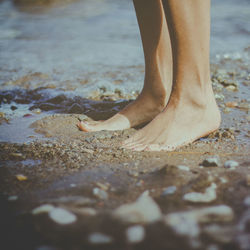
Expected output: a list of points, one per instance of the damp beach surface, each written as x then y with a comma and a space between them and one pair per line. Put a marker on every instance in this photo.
60, 188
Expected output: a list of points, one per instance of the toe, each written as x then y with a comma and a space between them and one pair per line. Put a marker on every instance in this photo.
83, 126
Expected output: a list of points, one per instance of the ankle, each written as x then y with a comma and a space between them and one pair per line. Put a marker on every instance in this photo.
198, 96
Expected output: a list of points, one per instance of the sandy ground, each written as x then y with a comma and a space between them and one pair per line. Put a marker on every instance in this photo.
89, 177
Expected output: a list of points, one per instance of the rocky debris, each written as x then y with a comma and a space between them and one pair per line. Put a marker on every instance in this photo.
99, 193
42, 209
231, 164
243, 231
99, 238
135, 234
208, 196
143, 210
13, 198
184, 168
223, 234
187, 223
62, 216
247, 201
169, 190
210, 162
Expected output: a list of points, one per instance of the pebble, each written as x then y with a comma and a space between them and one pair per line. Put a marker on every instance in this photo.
231, 104
12, 198
88, 211
208, 196
187, 223
231, 164
21, 177
62, 216
135, 234
184, 168
210, 162
88, 151
231, 88
36, 111
247, 201
219, 97
103, 186
169, 190
42, 209
219, 233
223, 180
143, 210
99, 193
99, 238
16, 154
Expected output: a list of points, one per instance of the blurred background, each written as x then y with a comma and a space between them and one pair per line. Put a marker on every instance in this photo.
86, 44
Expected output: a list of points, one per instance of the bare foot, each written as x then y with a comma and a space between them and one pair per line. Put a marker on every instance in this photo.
183, 121
142, 110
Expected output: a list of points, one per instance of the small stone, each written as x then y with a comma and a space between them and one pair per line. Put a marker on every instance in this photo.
135, 234
223, 180
247, 201
88, 151
103, 186
184, 168
12, 198
244, 106
187, 223
133, 173
227, 110
62, 216
21, 177
218, 233
143, 210
219, 97
16, 154
231, 164
231, 88
42, 209
208, 196
13, 107
169, 190
99, 238
37, 111
88, 211
210, 162
231, 104
101, 194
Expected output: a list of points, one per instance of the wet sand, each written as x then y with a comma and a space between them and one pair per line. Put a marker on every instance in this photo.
89, 176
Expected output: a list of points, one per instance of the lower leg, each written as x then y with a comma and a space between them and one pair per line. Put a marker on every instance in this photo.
158, 71
192, 111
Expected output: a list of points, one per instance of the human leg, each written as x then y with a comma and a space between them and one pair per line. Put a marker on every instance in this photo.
192, 111
158, 71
